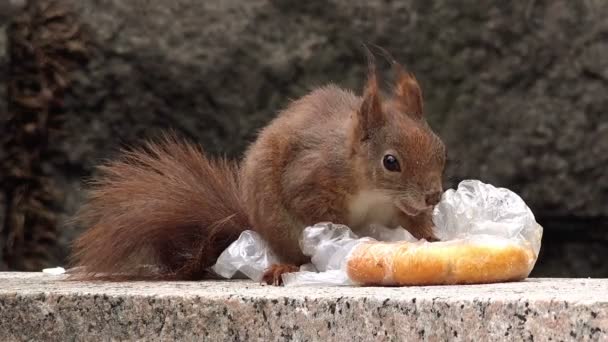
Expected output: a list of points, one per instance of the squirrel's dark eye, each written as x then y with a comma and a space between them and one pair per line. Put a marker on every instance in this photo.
391, 163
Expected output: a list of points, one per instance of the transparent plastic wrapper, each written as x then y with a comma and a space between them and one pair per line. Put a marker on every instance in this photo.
488, 235
247, 257
54, 270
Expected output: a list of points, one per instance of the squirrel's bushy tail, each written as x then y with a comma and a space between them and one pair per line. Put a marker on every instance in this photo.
164, 211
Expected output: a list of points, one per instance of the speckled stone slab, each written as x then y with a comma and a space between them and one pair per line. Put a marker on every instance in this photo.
36, 306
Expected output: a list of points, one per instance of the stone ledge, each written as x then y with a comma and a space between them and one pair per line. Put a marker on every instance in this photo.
43, 307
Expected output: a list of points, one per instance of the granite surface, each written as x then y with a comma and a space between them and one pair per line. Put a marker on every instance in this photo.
35, 306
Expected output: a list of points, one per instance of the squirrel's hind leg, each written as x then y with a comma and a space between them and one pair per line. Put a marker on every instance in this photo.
273, 274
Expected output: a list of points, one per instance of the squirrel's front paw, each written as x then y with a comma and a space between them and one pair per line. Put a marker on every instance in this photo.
429, 235
272, 275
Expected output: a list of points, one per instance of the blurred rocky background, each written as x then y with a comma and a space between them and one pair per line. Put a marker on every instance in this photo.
518, 90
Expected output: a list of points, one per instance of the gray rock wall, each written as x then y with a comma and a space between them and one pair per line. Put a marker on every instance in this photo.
518, 90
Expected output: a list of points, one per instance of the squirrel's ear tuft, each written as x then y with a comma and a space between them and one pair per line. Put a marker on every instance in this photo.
408, 94
370, 114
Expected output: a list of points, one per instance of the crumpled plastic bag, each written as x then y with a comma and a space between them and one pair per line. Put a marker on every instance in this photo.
480, 209
54, 270
475, 211
248, 257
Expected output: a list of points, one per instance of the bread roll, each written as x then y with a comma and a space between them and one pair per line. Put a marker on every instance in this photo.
438, 263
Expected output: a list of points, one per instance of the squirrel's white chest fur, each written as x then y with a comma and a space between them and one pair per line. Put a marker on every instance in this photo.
369, 207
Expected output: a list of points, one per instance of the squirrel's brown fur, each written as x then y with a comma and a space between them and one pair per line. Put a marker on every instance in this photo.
322, 159
167, 206
310, 164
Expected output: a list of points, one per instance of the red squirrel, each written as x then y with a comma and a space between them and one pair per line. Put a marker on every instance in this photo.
330, 156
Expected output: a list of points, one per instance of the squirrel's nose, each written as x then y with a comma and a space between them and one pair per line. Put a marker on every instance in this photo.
433, 198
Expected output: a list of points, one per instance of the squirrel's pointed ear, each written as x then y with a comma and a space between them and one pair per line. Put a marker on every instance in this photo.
408, 94
370, 114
